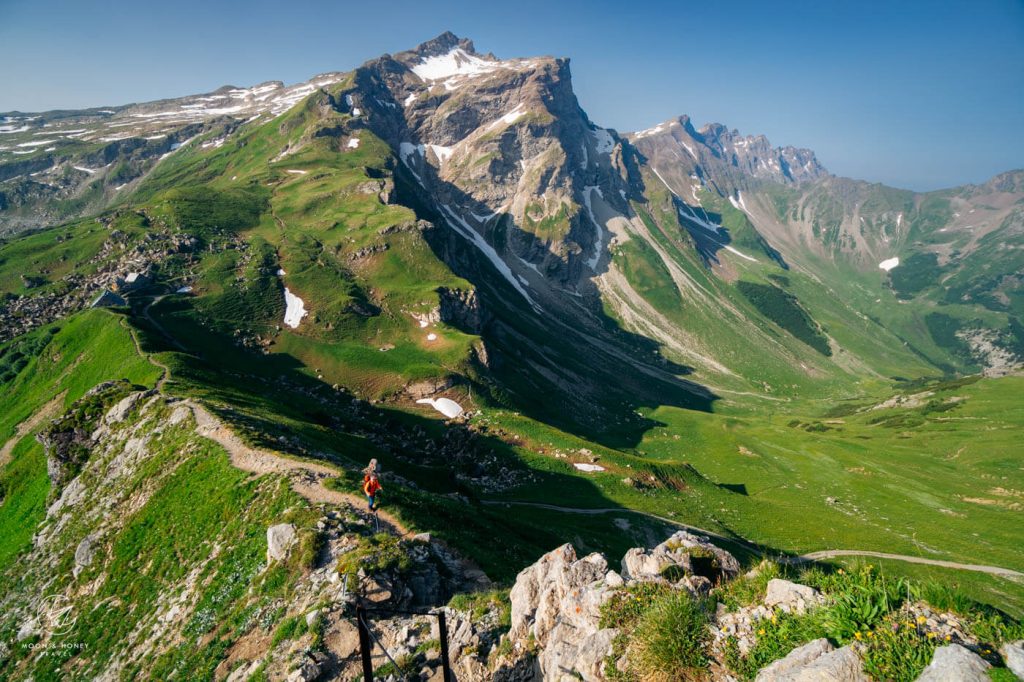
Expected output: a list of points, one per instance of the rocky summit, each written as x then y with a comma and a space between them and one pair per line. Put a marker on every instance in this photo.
288, 372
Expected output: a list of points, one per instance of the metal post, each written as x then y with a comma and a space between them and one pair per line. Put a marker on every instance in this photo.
446, 668
364, 644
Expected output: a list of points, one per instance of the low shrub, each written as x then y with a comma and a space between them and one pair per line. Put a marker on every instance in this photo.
670, 637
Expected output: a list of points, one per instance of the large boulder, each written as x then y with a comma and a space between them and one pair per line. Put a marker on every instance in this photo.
280, 539
791, 597
1013, 654
816, 661
556, 602
954, 663
682, 554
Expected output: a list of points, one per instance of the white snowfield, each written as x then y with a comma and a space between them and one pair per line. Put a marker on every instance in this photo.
295, 309
603, 141
479, 242
295, 171
588, 467
445, 406
457, 62
889, 263
710, 227
353, 143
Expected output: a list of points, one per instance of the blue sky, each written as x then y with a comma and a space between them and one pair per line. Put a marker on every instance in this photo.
918, 94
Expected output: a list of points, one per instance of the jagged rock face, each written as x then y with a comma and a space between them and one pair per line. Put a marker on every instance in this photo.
557, 601
723, 158
500, 149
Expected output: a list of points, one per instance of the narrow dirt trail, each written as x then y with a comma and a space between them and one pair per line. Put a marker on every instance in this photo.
47, 411
794, 560
307, 478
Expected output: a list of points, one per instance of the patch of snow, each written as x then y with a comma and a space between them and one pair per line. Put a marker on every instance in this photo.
353, 143
295, 309
889, 263
443, 153
899, 220
650, 131
588, 467
445, 406
36, 143
431, 336
90, 171
280, 272
295, 171
741, 255
472, 235
423, 324
603, 141
599, 239
692, 153
410, 99
509, 118
456, 62
356, 111
13, 129
183, 290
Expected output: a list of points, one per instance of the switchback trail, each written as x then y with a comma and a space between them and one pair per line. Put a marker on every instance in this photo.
793, 560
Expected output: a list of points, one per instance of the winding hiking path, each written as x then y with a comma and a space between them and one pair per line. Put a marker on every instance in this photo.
308, 481
47, 411
307, 478
793, 560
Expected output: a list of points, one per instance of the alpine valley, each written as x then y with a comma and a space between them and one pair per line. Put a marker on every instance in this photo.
791, 400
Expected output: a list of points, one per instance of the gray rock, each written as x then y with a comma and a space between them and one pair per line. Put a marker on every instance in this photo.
953, 663
791, 597
796, 659
120, 411
1013, 654
816, 661
85, 553
557, 603
683, 550
280, 539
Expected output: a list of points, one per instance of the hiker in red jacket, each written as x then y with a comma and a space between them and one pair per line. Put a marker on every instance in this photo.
371, 486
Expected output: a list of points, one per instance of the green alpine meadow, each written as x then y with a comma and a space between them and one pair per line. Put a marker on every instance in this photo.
288, 371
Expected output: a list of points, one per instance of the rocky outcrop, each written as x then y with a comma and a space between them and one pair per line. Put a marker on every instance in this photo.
280, 539
1013, 656
686, 558
817, 661
954, 663
791, 597
556, 603
462, 309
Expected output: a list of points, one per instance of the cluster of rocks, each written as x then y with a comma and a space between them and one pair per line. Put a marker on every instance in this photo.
556, 603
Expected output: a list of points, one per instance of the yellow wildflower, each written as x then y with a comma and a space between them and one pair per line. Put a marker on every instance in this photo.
775, 619
921, 619
761, 631
948, 638
857, 635
841, 572
931, 635
871, 634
